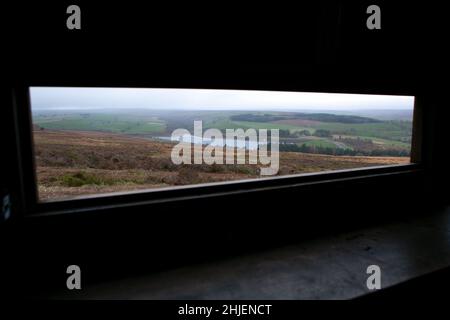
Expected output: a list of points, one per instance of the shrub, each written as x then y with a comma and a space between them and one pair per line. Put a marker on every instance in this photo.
81, 178
187, 176
322, 133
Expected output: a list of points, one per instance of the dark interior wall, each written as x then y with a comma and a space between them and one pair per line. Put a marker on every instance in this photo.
118, 242
319, 47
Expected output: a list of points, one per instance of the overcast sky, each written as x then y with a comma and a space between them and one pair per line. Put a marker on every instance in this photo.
200, 99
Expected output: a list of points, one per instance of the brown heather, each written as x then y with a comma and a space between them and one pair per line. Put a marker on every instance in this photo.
74, 163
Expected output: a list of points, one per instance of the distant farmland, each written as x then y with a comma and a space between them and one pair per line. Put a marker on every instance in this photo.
311, 133
101, 122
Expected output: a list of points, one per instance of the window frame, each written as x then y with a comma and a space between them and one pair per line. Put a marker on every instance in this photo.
30, 205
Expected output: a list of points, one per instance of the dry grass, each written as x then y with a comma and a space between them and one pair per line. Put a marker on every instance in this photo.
80, 163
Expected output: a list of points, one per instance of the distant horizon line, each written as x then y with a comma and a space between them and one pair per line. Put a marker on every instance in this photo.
214, 109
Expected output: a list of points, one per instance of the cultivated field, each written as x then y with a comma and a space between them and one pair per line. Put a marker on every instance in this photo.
318, 133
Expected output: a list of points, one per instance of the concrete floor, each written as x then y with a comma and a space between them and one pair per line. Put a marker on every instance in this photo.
326, 268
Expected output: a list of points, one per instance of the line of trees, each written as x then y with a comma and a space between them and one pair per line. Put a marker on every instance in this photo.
284, 133
321, 117
289, 147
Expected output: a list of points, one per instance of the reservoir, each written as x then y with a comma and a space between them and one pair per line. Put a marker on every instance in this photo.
241, 144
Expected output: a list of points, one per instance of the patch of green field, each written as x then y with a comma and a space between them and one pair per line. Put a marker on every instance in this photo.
384, 142
388, 130
226, 123
102, 122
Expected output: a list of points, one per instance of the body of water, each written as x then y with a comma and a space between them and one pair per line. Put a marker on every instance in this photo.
241, 144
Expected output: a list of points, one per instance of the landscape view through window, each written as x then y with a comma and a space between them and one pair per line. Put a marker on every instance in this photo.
101, 140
